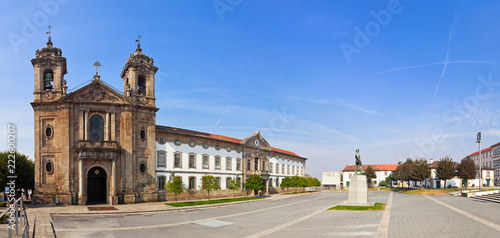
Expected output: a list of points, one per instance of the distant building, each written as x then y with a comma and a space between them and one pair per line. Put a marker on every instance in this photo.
382, 171
331, 180
490, 157
456, 182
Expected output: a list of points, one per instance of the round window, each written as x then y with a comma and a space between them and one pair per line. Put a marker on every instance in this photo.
228, 149
217, 147
142, 167
177, 142
205, 145
142, 134
49, 167
238, 149
48, 131
191, 143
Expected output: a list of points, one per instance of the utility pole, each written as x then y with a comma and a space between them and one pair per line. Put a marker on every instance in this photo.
480, 173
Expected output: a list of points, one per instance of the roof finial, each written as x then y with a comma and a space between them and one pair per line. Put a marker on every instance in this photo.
97, 64
48, 32
138, 40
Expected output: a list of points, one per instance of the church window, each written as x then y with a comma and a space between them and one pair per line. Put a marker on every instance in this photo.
142, 167
192, 183
49, 167
256, 164
263, 165
177, 160
217, 163
161, 159
192, 144
141, 85
192, 161
228, 149
177, 142
217, 147
142, 134
228, 163
161, 182
238, 164
48, 79
205, 161
96, 128
205, 145
49, 131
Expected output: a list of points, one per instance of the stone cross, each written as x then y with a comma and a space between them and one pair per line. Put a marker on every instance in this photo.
97, 64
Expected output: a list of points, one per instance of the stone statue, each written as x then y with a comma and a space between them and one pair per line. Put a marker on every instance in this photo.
358, 163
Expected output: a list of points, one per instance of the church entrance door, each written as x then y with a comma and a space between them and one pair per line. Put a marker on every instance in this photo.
96, 186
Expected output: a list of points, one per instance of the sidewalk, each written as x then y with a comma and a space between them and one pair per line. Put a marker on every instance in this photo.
43, 213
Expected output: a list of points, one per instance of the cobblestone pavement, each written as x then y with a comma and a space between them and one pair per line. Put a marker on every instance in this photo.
422, 216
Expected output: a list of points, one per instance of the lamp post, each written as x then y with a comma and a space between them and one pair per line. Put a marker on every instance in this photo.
480, 173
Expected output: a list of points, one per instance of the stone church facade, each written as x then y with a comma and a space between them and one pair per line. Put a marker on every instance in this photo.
97, 145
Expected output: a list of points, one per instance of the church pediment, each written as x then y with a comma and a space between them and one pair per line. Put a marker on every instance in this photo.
95, 92
256, 141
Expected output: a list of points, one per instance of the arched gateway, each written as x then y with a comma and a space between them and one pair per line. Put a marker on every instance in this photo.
96, 185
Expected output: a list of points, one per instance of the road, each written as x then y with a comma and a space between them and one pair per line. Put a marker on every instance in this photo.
289, 216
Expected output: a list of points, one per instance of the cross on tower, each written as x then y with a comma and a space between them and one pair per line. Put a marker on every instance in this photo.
97, 64
138, 40
48, 32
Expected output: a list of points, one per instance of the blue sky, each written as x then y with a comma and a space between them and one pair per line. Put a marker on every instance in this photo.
420, 78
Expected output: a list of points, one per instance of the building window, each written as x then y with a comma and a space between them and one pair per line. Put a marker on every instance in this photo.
141, 85
270, 167
192, 183
161, 182
177, 142
263, 165
49, 167
217, 180
142, 167
177, 160
142, 134
238, 149
96, 128
205, 161
293, 170
256, 164
205, 145
192, 161
49, 131
192, 143
277, 182
217, 147
161, 140
238, 179
277, 168
228, 163
228, 181
248, 164
270, 182
283, 169
161, 159
217, 163
238, 164
228, 149
288, 169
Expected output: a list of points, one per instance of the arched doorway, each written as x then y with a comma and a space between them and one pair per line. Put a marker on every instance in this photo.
96, 186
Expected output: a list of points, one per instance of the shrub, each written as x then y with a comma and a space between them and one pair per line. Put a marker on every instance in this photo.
382, 183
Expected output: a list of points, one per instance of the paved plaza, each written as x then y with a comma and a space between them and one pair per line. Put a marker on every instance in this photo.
288, 216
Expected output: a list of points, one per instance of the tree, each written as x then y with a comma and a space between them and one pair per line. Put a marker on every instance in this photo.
389, 179
233, 184
24, 169
370, 174
406, 171
209, 183
255, 183
175, 186
445, 169
466, 169
420, 171
286, 183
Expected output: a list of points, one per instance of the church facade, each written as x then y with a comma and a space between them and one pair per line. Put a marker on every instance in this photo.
97, 145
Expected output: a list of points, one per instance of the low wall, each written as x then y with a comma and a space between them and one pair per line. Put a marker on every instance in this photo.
199, 195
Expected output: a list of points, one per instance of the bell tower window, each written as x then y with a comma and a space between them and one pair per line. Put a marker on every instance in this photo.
96, 128
141, 85
48, 80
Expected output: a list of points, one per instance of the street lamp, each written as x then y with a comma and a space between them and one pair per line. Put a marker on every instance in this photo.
480, 173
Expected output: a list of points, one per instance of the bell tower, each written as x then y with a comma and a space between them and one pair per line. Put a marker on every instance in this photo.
50, 68
139, 77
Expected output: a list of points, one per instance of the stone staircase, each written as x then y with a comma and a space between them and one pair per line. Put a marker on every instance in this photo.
493, 197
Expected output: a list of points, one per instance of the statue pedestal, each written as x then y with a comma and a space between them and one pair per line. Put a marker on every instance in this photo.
358, 190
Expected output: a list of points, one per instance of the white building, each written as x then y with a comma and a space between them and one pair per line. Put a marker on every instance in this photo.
490, 157
456, 182
382, 171
192, 154
331, 180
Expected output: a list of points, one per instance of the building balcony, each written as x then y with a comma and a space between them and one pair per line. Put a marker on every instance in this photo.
98, 149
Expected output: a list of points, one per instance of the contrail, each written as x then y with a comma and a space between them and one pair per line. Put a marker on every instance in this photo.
446, 58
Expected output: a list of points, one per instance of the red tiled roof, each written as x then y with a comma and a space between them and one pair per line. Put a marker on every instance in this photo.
196, 133
376, 167
213, 136
477, 152
496, 144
